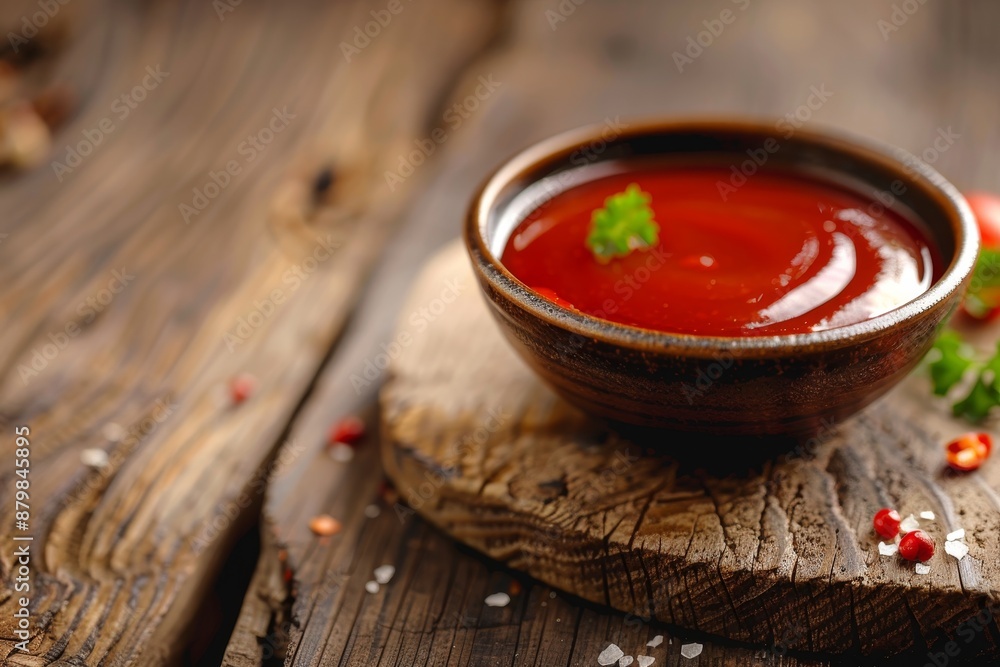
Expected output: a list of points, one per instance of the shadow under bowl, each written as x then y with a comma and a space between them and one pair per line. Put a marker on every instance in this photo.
788, 385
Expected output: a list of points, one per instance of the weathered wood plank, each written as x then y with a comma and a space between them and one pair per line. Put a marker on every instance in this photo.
260, 280
607, 59
744, 546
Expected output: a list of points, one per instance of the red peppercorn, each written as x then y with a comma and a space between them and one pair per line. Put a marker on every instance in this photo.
968, 451
241, 388
886, 523
916, 545
347, 431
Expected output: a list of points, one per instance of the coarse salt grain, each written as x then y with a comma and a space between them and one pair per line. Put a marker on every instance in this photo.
909, 524
927, 514
626, 661
341, 453
372, 511
113, 432
887, 549
655, 641
372, 587
610, 655
956, 549
384, 573
94, 458
922, 568
955, 535
692, 650
499, 600
645, 660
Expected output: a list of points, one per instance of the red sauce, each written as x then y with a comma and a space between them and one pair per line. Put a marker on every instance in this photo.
783, 254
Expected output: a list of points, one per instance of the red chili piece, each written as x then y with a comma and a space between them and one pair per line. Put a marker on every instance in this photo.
348, 431
241, 388
968, 451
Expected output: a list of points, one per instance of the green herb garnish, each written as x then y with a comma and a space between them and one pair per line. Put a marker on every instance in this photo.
951, 365
623, 225
984, 288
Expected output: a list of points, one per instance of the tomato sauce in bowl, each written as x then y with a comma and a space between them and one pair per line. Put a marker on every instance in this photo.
784, 253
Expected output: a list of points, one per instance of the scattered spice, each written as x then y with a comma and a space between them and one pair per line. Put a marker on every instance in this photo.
501, 600
968, 451
348, 431
241, 388
655, 641
384, 573
372, 587
916, 545
956, 549
610, 655
691, 651
955, 535
324, 525
909, 524
922, 568
94, 458
515, 587
886, 523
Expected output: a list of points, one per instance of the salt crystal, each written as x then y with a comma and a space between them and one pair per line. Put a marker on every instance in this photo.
372, 511
610, 655
499, 600
626, 661
341, 453
655, 641
887, 549
922, 568
955, 535
909, 524
113, 432
691, 651
383, 573
552, 595
956, 549
645, 660
94, 458
372, 587
927, 514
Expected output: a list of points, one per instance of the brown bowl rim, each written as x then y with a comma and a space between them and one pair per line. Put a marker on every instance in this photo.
551, 150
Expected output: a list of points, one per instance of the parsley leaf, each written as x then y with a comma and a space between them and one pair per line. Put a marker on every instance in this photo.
623, 225
983, 294
948, 369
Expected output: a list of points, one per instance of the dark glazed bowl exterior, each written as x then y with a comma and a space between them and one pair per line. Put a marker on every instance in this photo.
767, 385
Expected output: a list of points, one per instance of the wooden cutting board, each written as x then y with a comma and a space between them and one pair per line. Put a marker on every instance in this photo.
721, 537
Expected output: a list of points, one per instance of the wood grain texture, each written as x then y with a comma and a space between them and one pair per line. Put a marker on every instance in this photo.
123, 554
718, 539
605, 59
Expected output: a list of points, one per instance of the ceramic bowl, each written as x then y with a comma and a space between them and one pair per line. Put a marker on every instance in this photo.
764, 385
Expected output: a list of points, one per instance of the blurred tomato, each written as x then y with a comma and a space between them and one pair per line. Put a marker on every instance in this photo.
986, 208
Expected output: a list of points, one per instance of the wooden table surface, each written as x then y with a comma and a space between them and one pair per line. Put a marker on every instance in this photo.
175, 238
